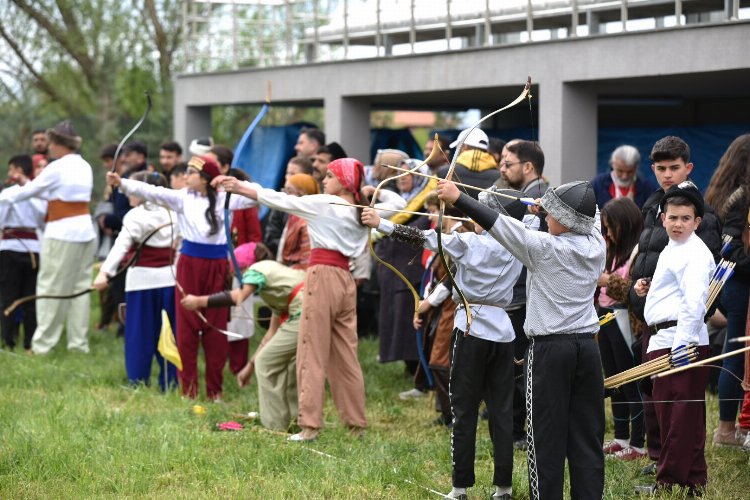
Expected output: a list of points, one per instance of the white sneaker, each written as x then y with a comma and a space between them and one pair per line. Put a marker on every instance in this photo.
746, 444
411, 394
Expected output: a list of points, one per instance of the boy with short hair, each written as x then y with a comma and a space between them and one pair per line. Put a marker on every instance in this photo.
564, 381
482, 356
675, 311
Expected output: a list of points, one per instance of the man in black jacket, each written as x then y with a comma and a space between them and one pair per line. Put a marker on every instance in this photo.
670, 161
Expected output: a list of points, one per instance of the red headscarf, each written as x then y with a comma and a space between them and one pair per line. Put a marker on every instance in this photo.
350, 173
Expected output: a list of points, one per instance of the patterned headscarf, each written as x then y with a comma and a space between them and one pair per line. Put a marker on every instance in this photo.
350, 173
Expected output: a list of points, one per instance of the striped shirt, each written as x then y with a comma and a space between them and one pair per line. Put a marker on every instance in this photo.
562, 275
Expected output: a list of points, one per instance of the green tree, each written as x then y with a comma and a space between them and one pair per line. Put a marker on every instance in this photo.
90, 61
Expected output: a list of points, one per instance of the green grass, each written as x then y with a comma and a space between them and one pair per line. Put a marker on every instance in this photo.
70, 427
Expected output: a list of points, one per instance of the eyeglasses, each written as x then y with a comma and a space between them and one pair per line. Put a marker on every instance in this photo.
508, 164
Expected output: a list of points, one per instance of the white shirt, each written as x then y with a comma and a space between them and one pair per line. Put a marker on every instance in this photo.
562, 275
486, 273
190, 207
24, 214
678, 291
136, 225
334, 227
67, 179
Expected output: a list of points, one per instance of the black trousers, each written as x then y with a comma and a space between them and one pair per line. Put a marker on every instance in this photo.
481, 370
627, 406
565, 406
17, 279
520, 344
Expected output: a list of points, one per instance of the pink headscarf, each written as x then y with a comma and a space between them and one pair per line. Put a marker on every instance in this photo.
245, 254
349, 172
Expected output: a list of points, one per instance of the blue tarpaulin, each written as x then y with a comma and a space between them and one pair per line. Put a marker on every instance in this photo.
266, 154
707, 145
401, 139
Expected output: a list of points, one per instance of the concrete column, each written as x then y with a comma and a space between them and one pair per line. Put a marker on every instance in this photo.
347, 121
191, 122
592, 19
568, 131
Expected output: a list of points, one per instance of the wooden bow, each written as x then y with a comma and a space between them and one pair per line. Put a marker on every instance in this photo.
132, 131
435, 151
441, 211
136, 255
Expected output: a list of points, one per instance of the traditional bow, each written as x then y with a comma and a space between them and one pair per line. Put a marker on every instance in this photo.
132, 131
136, 255
441, 211
435, 150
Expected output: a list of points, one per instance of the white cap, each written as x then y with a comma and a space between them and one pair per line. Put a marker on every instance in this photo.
476, 139
201, 146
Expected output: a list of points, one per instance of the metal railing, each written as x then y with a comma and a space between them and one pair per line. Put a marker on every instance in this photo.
230, 34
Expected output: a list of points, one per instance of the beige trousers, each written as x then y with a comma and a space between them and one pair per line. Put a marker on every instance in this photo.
64, 268
277, 382
327, 348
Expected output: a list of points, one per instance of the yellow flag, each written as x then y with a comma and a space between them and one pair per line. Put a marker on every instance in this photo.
167, 346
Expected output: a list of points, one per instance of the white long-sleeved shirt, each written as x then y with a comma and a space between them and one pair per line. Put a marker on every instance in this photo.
190, 208
563, 271
67, 179
331, 226
23, 214
486, 273
136, 225
678, 292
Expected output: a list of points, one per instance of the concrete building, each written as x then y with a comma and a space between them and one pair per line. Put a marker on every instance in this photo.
692, 73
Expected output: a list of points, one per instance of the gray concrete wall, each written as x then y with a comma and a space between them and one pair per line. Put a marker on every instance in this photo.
571, 73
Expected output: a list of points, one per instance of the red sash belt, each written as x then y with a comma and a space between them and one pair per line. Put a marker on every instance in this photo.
151, 256
328, 257
59, 209
19, 233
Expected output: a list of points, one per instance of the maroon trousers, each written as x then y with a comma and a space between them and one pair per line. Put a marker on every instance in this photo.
682, 424
650, 421
199, 276
238, 355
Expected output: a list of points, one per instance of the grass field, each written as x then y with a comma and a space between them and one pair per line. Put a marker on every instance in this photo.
70, 427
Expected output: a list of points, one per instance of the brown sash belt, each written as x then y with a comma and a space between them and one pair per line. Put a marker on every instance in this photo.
58, 209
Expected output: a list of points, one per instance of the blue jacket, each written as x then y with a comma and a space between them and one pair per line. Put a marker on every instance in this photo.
603, 182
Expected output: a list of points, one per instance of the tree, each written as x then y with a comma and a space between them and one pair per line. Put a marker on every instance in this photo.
91, 61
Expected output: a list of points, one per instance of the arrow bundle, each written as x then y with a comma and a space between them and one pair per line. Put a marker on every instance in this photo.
721, 275
658, 365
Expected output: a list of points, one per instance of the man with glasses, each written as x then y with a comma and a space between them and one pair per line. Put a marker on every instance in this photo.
522, 165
